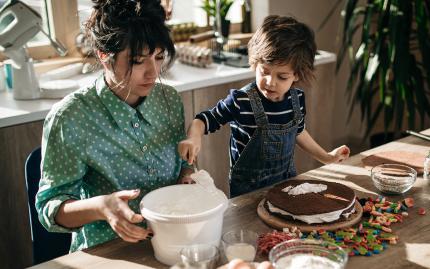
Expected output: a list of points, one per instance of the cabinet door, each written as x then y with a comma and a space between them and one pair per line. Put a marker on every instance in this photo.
214, 155
16, 143
187, 100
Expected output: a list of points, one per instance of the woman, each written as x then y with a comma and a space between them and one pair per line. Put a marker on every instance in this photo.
107, 145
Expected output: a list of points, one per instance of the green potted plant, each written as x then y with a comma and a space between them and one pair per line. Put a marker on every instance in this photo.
209, 6
390, 67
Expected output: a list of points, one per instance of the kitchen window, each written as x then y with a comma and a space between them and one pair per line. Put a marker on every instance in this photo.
181, 11
64, 18
59, 21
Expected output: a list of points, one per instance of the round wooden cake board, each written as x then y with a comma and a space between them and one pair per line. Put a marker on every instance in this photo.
411, 159
280, 223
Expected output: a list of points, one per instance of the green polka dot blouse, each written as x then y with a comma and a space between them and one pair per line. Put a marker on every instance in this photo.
94, 144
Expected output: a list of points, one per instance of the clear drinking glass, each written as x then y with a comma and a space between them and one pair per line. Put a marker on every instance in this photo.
306, 253
200, 256
241, 244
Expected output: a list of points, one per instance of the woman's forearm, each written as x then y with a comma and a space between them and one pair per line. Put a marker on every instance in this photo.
76, 213
308, 144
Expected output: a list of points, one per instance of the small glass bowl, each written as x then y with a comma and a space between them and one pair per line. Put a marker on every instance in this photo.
200, 256
393, 178
305, 253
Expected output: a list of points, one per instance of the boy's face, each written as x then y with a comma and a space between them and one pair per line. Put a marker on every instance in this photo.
274, 81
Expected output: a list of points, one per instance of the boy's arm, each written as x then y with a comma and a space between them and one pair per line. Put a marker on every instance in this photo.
308, 144
208, 122
225, 111
190, 147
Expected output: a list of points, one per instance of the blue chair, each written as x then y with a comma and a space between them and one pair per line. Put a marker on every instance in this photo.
46, 245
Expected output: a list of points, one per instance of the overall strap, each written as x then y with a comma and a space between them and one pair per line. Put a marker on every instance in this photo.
257, 107
296, 105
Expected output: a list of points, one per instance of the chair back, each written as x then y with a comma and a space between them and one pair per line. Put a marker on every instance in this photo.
46, 245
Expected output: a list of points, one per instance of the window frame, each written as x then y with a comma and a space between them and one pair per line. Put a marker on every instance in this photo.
63, 21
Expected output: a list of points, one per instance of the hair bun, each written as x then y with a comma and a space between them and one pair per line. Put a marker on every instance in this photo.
131, 9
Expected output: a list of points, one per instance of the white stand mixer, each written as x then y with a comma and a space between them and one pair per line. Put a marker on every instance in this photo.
18, 24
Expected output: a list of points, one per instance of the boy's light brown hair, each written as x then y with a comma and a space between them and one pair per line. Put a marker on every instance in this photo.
283, 40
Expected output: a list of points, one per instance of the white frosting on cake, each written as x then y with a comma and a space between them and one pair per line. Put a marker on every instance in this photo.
305, 188
317, 218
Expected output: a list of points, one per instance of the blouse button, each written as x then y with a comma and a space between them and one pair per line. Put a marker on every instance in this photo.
136, 125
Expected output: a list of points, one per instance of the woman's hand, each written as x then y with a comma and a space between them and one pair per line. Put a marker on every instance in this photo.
189, 149
339, 154
115, 210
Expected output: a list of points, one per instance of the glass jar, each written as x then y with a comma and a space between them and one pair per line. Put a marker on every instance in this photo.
426, 174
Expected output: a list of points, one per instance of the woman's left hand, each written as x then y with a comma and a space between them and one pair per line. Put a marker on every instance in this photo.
115, 210
339, 154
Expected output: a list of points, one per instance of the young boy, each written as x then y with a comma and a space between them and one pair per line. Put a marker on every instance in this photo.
267, 116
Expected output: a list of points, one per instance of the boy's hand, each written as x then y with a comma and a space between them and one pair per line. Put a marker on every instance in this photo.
339, 154
189, 149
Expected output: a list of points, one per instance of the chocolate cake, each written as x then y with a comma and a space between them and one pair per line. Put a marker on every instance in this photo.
311, 201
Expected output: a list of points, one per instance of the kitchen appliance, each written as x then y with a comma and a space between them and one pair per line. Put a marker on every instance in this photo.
18, 24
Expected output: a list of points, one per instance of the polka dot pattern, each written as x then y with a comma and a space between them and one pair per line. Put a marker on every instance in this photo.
94, 144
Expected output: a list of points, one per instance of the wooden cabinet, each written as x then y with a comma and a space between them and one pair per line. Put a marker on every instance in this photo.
16, 143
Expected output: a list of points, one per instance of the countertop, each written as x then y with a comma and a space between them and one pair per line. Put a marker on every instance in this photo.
180, 76
412, 250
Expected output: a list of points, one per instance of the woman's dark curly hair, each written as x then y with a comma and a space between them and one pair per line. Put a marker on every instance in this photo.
115, 25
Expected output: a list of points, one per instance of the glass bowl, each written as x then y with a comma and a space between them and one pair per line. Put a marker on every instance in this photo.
393, 178
200, 256
307, 253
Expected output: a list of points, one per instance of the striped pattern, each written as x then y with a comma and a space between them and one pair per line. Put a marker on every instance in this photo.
236, 110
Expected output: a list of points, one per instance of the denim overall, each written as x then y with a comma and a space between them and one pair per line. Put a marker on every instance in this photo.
268, 158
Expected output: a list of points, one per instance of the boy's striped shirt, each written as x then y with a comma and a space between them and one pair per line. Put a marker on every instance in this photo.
236, 110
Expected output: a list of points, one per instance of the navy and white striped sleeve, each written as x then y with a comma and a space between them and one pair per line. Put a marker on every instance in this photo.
225, 111
301, 126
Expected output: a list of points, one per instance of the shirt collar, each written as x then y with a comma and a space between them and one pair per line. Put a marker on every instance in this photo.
148, 108
121, 112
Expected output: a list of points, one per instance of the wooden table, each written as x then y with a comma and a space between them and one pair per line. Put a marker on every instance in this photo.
412, 251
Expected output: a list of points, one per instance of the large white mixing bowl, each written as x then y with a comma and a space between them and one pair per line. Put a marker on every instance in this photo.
182, 215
